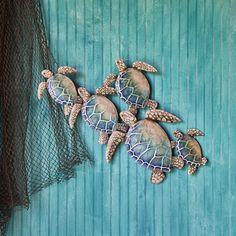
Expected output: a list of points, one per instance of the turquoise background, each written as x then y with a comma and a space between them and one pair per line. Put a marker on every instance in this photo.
193, 44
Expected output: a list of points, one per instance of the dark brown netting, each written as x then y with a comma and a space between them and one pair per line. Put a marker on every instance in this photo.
37, 147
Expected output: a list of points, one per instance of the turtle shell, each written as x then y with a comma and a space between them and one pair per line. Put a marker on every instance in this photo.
100, 113
62, 89
149, 145
133, 87
189, 150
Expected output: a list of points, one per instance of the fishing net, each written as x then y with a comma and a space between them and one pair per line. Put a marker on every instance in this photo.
37, 147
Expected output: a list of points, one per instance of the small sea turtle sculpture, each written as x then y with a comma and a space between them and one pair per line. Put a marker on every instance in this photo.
63, 91
147, 143
189, 149
101, 114
131, 85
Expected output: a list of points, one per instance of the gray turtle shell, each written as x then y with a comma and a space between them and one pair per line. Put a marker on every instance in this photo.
133, 87
149, 145
62, 89
100, 113
189, 150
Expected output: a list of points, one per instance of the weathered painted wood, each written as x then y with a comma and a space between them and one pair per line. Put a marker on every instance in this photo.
193, 44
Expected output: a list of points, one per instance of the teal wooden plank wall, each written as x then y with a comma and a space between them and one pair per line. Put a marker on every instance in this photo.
193, 43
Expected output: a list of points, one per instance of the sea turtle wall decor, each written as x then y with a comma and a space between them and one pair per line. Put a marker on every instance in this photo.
101, 114
62, 90
147, 143
131, 85
189, 149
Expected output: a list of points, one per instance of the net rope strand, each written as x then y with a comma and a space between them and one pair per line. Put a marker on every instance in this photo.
37, 147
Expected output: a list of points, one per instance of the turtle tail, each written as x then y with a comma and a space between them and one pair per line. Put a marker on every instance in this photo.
115, 139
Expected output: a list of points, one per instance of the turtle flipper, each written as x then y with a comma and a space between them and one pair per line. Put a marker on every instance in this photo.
67, 110
74, 113
105, 89
204, 161
46, 74
120, 65
66, 70
192, 169
133, 109
177, 162
157, 176
140, 65
84, 94
128, 118
160, 115
103, 138
195, 132
152, 104
178, 134
41, 88
115, 139
173, 144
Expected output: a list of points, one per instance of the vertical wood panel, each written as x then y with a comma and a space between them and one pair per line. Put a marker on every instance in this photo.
193, 44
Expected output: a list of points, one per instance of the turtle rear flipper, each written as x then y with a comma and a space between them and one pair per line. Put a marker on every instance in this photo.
103, 138
195, 132
177, 162
157, 176
192, 169
140, 65
160, 115
67, 110
204, 161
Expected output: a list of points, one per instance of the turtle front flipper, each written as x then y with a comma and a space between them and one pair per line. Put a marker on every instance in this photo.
128, 118
177, 162
120, 65
103, 138
66, 70
140, 65
160, 115
41, 88
152, 104
195, 132
84, 94
74, 113
105, 89
157, 176
115, 139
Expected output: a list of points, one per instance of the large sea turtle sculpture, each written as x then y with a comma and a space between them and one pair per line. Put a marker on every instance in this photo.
147, 143
62, 90
189, 149
101, 114
131, 85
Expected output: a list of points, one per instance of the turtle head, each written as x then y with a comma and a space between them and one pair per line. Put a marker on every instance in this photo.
46, 74
128, 118
84, 94
121, 65
178, 134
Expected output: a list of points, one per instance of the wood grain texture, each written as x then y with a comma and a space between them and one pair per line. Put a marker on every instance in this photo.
193, 45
